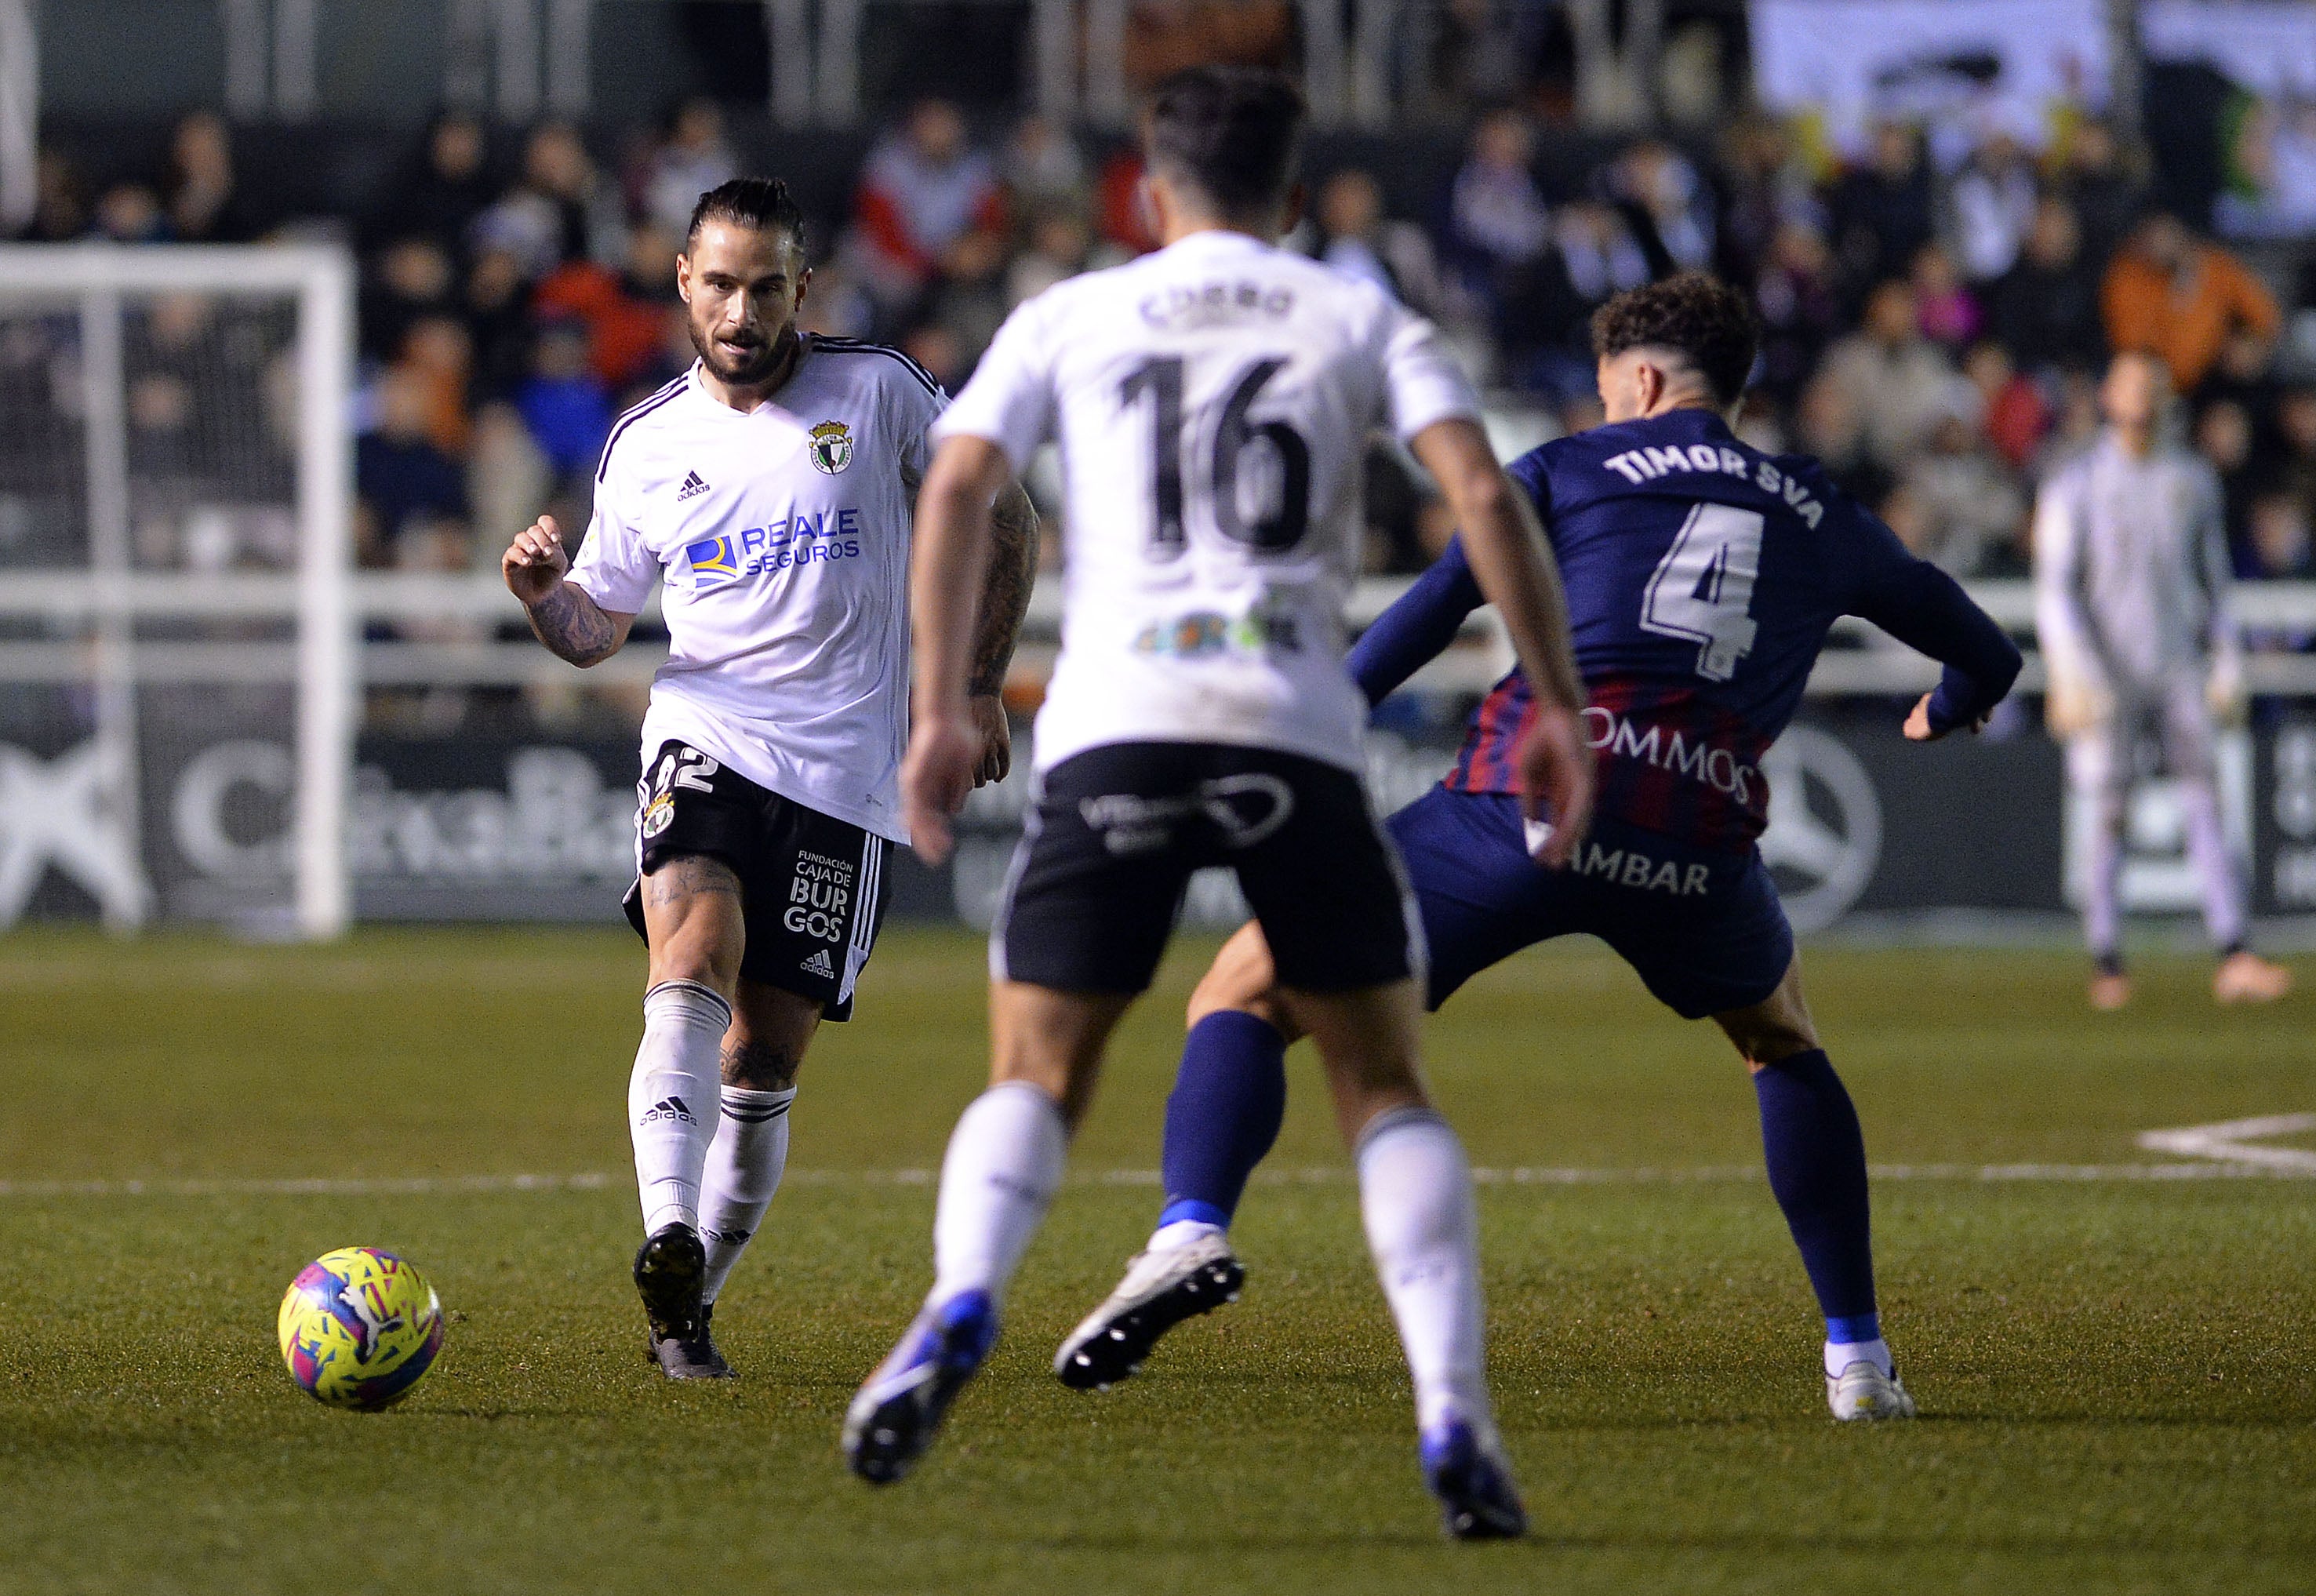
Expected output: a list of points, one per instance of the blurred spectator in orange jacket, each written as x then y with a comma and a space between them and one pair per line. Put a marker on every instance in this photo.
624, 310
2176, 296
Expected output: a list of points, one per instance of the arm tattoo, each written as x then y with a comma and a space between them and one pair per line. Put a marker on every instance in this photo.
572, 625
1005, 594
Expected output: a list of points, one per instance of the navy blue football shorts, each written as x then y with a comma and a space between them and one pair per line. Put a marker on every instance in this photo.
1704, 930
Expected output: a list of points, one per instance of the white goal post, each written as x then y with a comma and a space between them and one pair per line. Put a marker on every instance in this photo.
175, 524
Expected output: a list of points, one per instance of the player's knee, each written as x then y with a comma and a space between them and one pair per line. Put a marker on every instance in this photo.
1763, 1037
1241, 978
1069, 1082
1777, 1027
697, 957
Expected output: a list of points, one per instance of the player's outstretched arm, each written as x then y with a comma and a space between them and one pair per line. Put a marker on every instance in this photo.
562, 616
947, 573
1515, 570
1927, 611
1422, 621
1004, 603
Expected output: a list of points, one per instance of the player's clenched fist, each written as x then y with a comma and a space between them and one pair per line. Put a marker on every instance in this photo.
535, 562
938, 772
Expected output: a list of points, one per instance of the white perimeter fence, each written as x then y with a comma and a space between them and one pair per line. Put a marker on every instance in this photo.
160, 575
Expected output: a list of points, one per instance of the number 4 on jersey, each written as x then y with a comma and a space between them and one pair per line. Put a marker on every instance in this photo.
1703, 588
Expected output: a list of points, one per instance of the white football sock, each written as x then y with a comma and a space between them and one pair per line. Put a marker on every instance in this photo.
1182, 1232
745, 1162
1840, 1354
1004, 1161
673, 1098
1415, 1195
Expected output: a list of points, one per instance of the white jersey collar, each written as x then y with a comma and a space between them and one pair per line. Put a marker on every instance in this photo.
771, 401
1216, 241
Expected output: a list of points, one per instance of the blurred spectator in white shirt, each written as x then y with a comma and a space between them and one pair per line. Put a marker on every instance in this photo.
1355, 236
1664, 195
1497, 222
1993, 205
926, 198
690, 161
1896, 382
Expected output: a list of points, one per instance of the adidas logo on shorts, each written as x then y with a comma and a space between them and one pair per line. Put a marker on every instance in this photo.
692, 487
818, 965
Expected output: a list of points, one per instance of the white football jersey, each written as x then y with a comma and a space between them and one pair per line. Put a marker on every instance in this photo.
782, 539
1213, 402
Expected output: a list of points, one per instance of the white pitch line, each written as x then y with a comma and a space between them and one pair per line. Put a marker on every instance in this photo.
2217, 1169
2230, 1140
380, 1186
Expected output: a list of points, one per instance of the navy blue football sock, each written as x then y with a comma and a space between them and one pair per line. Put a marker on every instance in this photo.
1223, 1116
1817, 1169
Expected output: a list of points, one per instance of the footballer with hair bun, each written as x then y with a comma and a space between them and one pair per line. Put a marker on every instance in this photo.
767, 495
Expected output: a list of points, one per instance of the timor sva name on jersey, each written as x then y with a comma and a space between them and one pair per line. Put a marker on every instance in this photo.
794, 539
1646, 464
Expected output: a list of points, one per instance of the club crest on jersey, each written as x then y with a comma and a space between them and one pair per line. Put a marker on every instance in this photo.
713, 559
831, 447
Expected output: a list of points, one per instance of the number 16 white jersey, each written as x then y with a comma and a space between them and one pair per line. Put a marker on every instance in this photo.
1212, 403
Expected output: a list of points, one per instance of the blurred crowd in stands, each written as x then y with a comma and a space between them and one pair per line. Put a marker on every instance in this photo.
1933, 328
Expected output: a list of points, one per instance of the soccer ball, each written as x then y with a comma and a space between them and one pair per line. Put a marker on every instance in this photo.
360, 1328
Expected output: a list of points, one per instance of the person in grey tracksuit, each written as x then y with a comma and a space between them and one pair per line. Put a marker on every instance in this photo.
2131, 608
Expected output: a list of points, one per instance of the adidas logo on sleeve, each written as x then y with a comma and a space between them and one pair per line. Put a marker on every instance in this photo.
692, 487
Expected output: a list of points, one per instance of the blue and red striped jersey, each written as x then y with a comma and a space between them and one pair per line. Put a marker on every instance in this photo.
1702, 577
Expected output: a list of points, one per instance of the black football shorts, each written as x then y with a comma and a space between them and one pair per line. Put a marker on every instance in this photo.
1114, 833
812, 885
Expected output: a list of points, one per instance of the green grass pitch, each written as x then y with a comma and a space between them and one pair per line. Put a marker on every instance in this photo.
2115, 1373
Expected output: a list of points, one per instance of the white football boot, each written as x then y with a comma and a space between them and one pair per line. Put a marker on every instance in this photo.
1160, 1290
1862, 1391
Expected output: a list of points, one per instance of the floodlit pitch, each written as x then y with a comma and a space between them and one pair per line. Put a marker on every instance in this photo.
2111, 1341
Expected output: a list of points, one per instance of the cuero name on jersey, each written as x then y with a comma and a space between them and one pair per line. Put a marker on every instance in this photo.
1181, 305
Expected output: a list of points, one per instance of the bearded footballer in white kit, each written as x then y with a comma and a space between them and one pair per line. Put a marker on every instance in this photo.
766, 492
1211, 402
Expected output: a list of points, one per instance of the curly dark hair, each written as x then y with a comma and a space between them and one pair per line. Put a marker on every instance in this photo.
1701, 317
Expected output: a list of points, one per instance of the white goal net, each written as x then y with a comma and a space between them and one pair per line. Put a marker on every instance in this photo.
177, 694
